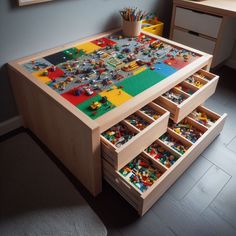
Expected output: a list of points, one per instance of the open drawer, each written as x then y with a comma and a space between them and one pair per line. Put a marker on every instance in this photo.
122, 142
124, 179
189, 94
143, 200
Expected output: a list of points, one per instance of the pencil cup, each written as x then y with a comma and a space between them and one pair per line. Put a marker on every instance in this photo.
131, 28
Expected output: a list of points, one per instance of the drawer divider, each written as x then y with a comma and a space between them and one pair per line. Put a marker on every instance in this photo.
133, 128
197, 124
166, 103
181, 91
191, 86
207, 74
145, 117
168, 148
179, 137
209, 112
157, 163
200, 79
130, 127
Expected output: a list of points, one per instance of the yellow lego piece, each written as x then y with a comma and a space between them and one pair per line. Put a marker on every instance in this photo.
116, 96
139, 70
130, 67
39, 75
88, 47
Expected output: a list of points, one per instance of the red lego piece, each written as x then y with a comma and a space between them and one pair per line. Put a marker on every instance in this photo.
176, 63
142, 37
77, 99
54, 73
103, 42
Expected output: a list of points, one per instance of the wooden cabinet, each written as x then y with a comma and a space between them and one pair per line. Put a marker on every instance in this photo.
198, 21
194, 40
207, 25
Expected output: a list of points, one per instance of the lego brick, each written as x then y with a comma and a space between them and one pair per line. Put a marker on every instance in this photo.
84, 107
73, 53
116, 96
103, 42
57, 58
37, 65
75, 100
39, 75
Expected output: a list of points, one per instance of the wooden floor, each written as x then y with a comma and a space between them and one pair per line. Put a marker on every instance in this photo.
201, 202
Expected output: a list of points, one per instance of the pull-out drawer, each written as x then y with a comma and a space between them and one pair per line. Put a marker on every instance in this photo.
122, 142
199, 22
124, 181
192, 92
194, 40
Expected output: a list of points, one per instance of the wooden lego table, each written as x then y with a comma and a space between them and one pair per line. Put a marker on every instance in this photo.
71, 95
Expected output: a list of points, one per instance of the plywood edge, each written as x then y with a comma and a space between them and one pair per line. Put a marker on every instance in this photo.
96, 162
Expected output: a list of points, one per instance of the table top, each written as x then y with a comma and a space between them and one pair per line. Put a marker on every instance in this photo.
221, 7
109, 76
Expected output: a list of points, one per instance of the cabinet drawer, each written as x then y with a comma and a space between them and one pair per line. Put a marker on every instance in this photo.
195, 90
132, 191
193, 40
117, 152
142, 201
199, 22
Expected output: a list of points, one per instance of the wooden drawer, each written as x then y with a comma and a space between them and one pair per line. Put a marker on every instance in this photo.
126, 189
201, 94
194, 40
119, 156
199, 22
142, 201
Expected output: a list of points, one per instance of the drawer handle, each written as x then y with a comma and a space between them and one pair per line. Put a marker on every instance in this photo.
193, 33
204, 13
123, 182
199, 12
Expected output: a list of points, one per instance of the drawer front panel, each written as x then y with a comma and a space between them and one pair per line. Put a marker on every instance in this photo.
199, 22
142, 202
121, 187
121, 156
179, 111
194, 41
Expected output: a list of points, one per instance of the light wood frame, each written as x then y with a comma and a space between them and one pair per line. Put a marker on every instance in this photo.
68, 132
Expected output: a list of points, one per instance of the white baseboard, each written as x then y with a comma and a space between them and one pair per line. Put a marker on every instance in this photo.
231, 63
10, 125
